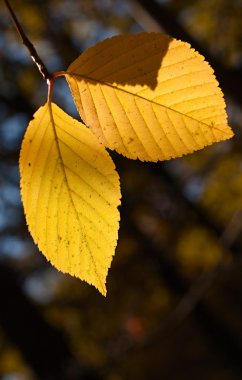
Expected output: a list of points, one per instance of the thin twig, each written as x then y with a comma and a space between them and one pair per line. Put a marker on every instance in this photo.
33, 53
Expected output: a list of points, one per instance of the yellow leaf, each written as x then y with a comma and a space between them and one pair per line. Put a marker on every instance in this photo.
70, 191
148, 96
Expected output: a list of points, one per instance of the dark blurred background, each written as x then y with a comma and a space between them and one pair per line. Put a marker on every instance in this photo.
174, 303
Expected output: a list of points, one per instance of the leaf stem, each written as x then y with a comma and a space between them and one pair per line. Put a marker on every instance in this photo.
50, 83
58, 74
33, 53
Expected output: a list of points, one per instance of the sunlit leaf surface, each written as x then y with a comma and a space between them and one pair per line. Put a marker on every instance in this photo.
148, 96
70, 191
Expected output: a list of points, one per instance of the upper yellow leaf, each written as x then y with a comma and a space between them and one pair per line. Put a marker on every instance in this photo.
70, 191
148, 96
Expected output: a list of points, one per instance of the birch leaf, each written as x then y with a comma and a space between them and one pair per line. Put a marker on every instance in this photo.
70, 191
148, 96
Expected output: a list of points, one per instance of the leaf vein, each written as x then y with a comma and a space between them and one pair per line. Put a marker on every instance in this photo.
149, 100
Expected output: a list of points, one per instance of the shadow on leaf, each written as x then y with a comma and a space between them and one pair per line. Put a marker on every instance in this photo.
123, 60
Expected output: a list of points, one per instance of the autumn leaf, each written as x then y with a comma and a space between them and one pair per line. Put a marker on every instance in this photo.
70, 191
148, 96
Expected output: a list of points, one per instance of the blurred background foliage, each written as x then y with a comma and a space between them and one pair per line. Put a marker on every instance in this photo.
174, 303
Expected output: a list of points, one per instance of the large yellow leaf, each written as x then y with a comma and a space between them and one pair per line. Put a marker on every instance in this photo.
148, 96
70, 191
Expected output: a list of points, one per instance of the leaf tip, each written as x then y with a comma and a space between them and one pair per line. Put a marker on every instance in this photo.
102, 288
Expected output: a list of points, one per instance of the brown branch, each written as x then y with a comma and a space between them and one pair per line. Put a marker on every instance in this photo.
32, 51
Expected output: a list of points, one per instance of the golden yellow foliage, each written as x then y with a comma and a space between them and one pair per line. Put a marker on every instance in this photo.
148, 96
70, 191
